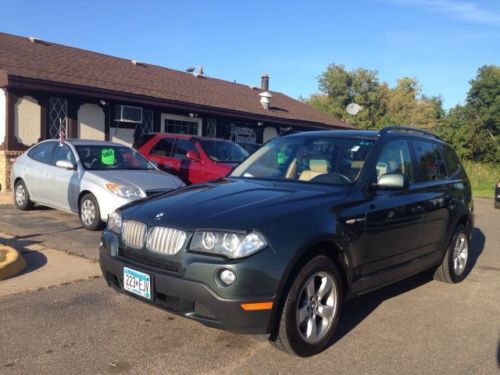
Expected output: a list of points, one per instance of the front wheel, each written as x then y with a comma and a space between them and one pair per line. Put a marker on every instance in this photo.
312, 309
453, 269
90, 216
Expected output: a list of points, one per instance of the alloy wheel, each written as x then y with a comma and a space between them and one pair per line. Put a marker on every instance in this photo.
20, 194
87, 212
460, 254
316, 307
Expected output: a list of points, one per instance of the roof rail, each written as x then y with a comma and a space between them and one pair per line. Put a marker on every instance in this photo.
396, 128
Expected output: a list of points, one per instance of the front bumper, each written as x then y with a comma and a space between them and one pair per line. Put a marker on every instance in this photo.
189, 298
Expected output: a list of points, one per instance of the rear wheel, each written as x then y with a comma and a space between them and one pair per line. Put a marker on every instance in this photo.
22, 197
455, 262
312, 309
90, 216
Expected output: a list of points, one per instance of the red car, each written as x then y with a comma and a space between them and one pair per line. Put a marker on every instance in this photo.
194, 159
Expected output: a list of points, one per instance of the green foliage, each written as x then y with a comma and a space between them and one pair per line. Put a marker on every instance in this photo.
473, 129
483, 178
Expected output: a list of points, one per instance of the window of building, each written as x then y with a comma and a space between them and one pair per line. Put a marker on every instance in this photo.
181, 124
58, 115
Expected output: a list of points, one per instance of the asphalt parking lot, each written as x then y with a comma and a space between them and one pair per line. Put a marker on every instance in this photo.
413, 327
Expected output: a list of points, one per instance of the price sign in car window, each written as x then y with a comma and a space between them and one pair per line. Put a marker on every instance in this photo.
108, 156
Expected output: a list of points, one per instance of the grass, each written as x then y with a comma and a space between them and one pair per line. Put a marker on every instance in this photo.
483, 178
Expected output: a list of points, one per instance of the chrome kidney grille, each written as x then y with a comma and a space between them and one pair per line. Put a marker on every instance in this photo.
133, 234
165, 240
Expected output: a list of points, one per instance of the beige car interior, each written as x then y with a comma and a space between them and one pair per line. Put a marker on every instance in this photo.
317, 167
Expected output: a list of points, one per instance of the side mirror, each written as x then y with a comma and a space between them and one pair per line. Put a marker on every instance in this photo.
393, 181
193, 155
65, 164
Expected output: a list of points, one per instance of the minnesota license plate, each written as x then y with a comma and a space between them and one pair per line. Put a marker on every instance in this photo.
137, 282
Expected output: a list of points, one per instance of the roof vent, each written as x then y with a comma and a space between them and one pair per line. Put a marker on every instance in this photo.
264, 99
199, 72
33, 39
264, 82
137, 63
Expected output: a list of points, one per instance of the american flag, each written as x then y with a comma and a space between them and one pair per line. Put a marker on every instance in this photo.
62, 132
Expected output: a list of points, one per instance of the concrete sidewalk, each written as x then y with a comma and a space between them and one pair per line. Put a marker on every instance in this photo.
45, 268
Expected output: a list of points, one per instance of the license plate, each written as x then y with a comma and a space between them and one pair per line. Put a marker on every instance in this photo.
137, 282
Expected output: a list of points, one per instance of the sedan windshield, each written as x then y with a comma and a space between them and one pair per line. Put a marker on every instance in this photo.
324, 160
223, 151
108, 157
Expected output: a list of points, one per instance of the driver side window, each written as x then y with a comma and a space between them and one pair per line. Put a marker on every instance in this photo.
395, 158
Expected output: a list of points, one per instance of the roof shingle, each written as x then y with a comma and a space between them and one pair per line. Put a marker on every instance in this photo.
52, 62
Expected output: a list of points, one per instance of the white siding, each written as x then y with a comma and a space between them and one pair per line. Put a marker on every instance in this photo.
27, 120
90, 122
3, 114
269, 133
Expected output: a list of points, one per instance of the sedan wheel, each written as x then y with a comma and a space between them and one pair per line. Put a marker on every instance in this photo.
22, 197
90, 216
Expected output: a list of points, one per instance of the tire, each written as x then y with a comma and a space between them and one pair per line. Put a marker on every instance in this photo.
454, 267
90, 216
301, 312
497, 204
22, 196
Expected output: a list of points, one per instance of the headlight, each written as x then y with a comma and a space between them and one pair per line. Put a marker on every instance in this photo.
115, 222
124, 191
230, 244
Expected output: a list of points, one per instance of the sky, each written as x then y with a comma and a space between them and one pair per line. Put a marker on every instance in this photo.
441, 43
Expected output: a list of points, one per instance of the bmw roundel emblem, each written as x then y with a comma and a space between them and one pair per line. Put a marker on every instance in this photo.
159, 216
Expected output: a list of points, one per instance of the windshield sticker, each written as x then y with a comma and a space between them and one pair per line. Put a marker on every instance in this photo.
355, 148
108, 156
281, 157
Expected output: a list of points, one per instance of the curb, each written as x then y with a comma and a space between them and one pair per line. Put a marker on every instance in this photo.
13, 263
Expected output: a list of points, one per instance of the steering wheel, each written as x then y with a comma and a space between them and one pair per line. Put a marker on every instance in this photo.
332, 178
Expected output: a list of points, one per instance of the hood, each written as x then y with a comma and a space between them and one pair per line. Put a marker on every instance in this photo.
236, 204
141, 179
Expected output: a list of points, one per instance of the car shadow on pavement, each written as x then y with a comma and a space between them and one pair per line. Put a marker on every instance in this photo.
357, 309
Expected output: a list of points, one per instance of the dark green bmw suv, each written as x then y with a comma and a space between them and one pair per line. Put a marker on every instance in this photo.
305, 222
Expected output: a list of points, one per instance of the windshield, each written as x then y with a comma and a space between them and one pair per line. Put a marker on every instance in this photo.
306, 159
223, 151
109, 157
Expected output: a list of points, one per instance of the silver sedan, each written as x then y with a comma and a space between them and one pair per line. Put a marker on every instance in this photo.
91, 178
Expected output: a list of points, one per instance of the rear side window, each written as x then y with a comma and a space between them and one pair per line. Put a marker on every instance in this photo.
452, 162
429, 163
42, 152
163, 147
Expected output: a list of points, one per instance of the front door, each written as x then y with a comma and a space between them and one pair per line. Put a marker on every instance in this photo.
64, 183
394, 218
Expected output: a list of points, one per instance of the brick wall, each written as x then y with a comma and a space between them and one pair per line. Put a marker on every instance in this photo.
7, 158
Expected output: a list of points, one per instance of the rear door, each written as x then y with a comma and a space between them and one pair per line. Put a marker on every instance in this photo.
432, 183
394, 217
35, 171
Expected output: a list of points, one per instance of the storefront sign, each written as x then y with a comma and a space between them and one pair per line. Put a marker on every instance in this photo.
243, 134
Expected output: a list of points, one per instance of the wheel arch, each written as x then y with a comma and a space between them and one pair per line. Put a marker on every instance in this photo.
322, 246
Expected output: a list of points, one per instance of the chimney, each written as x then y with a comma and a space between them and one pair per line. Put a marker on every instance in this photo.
264, 82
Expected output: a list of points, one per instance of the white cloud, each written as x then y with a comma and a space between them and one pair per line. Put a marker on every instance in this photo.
463, 10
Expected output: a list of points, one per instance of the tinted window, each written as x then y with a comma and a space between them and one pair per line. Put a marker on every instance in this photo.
440, 161
395, 158
452, 161
182, 147
63, 152
163, 147
142, 140
42, 152
427, 162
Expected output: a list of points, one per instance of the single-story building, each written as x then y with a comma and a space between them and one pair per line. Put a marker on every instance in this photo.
44, 85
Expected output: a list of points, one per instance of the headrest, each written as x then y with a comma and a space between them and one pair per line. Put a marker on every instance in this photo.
319, 165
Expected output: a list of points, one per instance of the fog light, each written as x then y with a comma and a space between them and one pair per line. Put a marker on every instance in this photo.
227, 277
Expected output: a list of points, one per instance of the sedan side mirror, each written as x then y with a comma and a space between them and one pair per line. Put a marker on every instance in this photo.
193, 155
66, 164
393, 181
